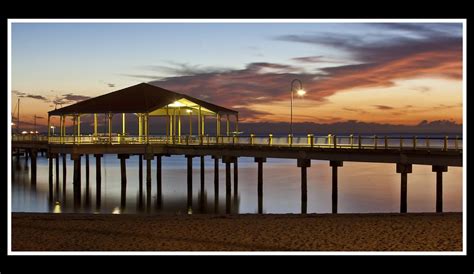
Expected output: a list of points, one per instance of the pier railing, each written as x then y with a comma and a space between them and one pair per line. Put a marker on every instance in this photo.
326, 141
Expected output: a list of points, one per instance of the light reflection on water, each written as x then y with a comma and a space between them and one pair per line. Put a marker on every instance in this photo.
363, 187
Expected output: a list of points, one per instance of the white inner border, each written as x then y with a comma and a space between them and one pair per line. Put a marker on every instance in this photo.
10, 21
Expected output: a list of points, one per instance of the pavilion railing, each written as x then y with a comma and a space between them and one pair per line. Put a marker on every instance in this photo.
326, 141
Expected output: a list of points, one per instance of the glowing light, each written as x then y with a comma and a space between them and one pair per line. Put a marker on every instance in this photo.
116, 210
13, 124
189, 111
177, 104
24, 132
31, 132
301, 92
52, 127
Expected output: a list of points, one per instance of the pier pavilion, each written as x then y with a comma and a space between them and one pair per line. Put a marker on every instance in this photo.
143, 101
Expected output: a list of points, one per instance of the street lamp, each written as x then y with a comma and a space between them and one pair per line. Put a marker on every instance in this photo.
300, 92
52, 127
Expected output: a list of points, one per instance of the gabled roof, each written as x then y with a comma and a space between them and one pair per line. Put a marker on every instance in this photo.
139, 98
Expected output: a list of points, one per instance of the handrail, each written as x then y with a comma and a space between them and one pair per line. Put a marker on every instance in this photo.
314, 141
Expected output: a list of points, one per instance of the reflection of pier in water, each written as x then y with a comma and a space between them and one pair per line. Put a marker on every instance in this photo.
145, 200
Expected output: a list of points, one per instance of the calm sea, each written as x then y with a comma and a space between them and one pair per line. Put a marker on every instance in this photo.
363, 187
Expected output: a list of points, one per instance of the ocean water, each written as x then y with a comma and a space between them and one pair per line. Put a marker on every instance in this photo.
363, 187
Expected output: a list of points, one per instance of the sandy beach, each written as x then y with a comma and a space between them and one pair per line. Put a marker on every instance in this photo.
287, 232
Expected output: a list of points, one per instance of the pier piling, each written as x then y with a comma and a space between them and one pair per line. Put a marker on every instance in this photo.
304, 164
403, 169
260, 162
98, 181
334, 165
77, 180
439, 186
123, 172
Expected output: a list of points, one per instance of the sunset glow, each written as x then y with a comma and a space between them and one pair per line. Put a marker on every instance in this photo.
396, 73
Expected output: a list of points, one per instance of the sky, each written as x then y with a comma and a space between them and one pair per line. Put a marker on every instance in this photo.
390, 73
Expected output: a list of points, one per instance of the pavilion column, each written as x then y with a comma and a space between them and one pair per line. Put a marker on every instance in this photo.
79, 128
218, 125
199, 122
190, 123
64, 128
95, 124
60, 129
147, 128
74, 129
123, 124
202, 123
140, 127
227, 125
49, 127
110, 127
179, 125
236, 122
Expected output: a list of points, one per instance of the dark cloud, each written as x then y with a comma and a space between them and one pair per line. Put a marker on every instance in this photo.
110, 85
74, 97
29, 95
38, 97
383, 107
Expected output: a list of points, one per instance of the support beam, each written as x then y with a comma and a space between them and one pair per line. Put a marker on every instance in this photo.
334, 165
64, 176
228, 160
57, 175
202, 198
190, 183
88, 200
403, 169
148, 158
260, 162
34, 154
147, 128
50, 177
123, 172
77, 180
236, 179
304, 164
98, 181
439, 186
216, 183
158, 181
140, 181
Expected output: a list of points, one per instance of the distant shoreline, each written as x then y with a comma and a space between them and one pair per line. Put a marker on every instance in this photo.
244, 232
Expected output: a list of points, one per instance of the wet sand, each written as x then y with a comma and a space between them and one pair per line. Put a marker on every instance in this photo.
246, 232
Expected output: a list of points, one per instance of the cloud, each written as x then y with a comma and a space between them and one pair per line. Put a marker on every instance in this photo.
394, 52
383, 107
29, 95
74, 97
422, 89
38, 97
110, 85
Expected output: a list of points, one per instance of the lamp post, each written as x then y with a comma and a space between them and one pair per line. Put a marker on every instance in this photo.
52, 127
300, 92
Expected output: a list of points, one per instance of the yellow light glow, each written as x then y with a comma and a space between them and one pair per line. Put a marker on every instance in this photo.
116, 210
301, 92
177, 104
189, 111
